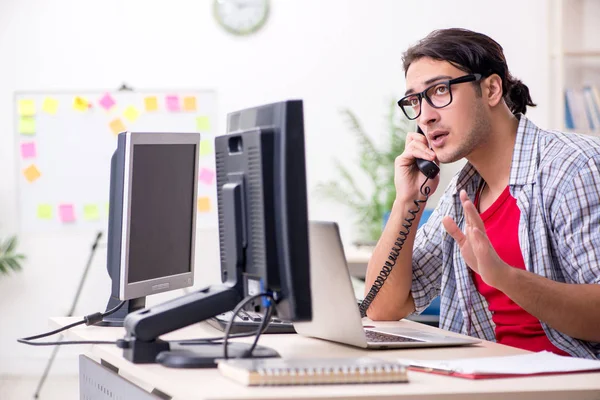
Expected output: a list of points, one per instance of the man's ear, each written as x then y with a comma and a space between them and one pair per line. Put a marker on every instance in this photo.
492, 89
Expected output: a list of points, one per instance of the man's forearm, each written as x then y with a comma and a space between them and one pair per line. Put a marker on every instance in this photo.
394, 300
569, 308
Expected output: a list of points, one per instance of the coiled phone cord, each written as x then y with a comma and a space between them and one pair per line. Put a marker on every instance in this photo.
393, 256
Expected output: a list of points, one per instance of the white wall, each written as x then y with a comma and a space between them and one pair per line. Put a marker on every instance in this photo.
332, 54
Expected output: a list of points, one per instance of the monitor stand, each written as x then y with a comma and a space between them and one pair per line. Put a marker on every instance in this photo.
117, 318
206, 355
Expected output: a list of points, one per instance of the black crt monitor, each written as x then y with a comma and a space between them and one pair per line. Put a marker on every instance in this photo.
263, 232
152, 217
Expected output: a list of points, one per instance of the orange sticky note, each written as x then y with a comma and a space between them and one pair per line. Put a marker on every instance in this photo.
44, 211
26, 108
31, 173
189, 103
131, 113
151, 103
116, 126
203, 204
80, 104
50, 105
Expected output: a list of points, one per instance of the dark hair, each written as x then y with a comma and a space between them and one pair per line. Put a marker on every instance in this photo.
472, 52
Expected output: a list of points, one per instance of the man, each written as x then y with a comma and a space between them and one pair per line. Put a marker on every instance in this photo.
513, 247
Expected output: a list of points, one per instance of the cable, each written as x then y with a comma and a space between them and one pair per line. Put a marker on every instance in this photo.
236, 310
88, 320
263, 327
386, 270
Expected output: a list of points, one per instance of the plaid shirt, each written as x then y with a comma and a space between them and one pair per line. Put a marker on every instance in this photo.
555, 179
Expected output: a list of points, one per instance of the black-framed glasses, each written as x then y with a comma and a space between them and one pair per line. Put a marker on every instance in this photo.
438, 96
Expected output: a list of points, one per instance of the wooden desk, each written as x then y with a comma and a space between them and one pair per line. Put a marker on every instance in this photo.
210, 384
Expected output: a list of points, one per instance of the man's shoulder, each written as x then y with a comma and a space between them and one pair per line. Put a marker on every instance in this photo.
565, 151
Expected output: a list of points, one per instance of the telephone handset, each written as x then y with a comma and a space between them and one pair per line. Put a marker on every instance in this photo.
430, 170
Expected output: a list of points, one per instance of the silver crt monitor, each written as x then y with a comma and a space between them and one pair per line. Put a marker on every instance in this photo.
335, 311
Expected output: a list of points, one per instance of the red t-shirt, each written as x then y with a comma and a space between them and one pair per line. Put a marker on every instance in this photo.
514, 326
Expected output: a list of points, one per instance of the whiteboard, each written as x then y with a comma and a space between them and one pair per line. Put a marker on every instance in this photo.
65, 142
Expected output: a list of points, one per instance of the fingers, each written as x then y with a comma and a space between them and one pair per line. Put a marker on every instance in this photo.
453, 230
472, 217
479, 242
418, 147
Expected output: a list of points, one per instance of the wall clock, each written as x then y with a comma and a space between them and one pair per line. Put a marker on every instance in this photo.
241, 17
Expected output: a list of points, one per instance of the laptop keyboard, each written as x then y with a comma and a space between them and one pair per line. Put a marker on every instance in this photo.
378, 337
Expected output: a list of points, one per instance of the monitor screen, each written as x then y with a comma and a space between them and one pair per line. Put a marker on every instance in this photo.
152, 217
162, 195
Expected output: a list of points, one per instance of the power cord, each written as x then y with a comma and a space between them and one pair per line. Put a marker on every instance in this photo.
261, 328
386, 270
90, 319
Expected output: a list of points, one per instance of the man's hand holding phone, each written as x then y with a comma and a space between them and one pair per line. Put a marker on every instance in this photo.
407, 177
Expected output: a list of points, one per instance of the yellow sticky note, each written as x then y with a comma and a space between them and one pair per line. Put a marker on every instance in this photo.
26, 107
80, 104
203, 124
189, 103
151, 103
116, 126
131, 113
90, 212
203, 204
27, 125
50, 105
44, 211
31, 173
206, 147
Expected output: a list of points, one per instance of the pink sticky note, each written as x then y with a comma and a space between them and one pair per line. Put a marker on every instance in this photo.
66, 213
107, 101
172, 103
206, 176
28, 150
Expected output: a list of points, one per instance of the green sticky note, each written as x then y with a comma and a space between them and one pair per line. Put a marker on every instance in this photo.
90, 212
44, 211
206, 147
27, 125
203, 124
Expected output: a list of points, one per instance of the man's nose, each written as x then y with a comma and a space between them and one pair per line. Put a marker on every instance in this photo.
429, 114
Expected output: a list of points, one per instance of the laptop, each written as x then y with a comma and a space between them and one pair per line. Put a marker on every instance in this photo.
335, 310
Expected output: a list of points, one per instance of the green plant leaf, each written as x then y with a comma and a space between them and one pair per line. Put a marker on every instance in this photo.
347, 178
9, 261
368, 152
369, 204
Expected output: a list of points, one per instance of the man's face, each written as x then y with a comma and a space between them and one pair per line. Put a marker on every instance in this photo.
458, 129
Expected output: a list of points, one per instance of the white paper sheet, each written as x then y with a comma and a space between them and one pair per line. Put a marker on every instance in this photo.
534, 363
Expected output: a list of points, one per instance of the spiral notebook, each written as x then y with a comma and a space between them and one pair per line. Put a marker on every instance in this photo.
312, 371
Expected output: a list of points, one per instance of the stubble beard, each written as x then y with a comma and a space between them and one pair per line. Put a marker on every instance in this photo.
474, 139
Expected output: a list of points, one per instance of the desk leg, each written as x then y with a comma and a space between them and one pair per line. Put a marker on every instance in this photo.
97, 382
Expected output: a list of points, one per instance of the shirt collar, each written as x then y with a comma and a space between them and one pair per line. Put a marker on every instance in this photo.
522, 169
